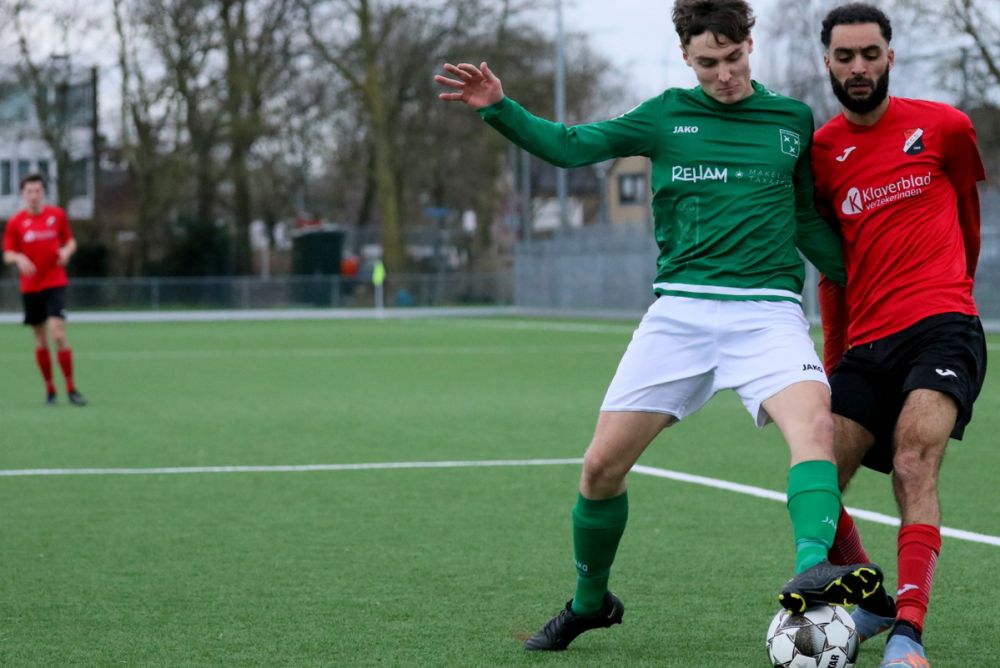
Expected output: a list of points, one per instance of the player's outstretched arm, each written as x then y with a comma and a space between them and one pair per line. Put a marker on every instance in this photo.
477, 87
631, 134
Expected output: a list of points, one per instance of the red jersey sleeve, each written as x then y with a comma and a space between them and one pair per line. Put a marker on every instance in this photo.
964, 168
9, 238
65, 234
833, 312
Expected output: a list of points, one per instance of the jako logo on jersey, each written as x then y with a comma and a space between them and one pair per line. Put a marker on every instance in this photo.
847, 151
700, 173
811, 367
791, 142
944, 373
858, 200
686, 129
914, 142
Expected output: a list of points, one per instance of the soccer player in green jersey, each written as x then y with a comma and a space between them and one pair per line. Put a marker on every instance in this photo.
732, 199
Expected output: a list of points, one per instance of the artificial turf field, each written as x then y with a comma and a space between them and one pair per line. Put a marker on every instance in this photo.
405, 566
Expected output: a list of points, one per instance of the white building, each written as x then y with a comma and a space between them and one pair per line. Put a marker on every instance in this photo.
72, 101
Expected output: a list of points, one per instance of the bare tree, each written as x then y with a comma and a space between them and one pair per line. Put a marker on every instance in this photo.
793, 32
356, 52
146, 117
259, 64
186, 42
49, 79
964, 40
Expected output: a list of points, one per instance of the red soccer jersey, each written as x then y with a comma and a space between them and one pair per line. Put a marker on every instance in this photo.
40, 238
903, 194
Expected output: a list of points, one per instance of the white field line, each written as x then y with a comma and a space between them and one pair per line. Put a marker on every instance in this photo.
871, 516
749, 490
303, 468
335, 351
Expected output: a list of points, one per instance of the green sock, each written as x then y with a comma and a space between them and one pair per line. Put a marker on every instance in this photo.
597, 528
814, 505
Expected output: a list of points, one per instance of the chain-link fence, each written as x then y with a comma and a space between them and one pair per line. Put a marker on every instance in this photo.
160, 294
612, 269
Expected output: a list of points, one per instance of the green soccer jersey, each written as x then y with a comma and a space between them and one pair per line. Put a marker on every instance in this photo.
732, 187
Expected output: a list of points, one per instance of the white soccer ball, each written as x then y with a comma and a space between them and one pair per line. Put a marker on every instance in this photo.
821, 637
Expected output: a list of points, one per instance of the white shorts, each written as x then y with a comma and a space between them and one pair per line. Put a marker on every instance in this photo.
685, 350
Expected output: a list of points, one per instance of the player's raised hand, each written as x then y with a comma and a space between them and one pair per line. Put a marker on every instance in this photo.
477, 87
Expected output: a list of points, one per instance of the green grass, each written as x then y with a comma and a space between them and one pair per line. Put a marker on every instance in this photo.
423, 567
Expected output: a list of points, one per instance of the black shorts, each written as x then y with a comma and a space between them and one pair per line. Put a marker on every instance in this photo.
945, 352
44, 304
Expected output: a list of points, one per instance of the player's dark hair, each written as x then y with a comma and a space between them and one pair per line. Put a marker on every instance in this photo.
34, 177
852, 14
732, 19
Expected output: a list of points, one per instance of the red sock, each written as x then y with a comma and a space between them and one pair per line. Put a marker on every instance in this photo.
66, 364
44, 361
919, 546
847, 548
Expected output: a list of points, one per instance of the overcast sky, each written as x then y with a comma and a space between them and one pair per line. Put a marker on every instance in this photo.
638, 36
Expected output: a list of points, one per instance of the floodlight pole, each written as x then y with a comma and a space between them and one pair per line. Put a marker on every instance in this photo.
560, 95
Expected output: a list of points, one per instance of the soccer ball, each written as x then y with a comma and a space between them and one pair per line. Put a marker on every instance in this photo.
821, 637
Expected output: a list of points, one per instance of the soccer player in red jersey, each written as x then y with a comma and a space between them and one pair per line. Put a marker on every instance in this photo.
903, 344
38, 241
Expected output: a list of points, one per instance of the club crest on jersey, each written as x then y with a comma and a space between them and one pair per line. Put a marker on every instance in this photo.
914, 143
51, 221
791, 142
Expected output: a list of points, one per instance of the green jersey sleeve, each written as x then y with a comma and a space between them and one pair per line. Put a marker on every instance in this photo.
813, 235
573, 146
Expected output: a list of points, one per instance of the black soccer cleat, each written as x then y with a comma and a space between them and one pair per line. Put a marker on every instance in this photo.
76, 398
563, 629
50, 399
827, 584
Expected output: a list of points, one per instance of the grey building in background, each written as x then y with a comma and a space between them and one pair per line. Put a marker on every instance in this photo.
72, 100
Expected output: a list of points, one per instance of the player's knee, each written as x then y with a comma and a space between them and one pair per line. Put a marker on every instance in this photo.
818, 432
914, 466
822, 426
600, 469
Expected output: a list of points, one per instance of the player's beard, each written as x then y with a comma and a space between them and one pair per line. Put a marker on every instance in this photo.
866, 104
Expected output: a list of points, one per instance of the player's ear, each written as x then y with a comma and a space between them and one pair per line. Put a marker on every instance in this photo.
684, 52
892, 58
749, 44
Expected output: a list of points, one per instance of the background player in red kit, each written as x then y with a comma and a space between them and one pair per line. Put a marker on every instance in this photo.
38, 241
904, 344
